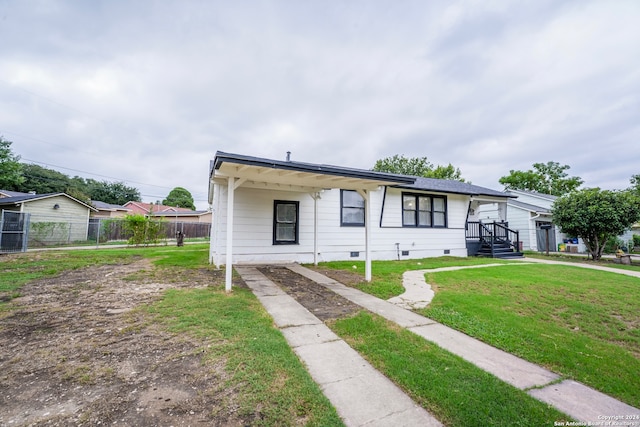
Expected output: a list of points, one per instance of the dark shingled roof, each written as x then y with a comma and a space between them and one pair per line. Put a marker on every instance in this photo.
26, 197
396, 180
451, 186
222, 157
104, 206
29, 197
13, 193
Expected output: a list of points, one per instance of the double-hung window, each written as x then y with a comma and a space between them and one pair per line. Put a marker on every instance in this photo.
421, 210
285, 222
351, 209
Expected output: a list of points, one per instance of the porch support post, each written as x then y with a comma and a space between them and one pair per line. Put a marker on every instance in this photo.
315, 196
229, 263
366, 194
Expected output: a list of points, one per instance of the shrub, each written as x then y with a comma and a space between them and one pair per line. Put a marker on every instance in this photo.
142, 230
613, 244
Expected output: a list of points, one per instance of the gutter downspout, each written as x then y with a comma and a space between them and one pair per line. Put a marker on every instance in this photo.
532, 230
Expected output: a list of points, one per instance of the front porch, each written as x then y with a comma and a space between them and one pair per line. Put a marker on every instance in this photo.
493, 240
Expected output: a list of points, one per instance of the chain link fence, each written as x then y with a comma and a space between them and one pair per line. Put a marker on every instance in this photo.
43, 231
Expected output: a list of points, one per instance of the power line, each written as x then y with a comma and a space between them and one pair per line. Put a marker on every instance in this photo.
49, 143
155, 196
95, 174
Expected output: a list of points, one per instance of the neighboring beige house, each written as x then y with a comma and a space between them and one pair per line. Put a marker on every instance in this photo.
108, 210
170, 213
152, 208
55, 217
190, 216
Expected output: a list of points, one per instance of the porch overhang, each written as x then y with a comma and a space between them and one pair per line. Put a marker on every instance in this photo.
297, 176
235, 171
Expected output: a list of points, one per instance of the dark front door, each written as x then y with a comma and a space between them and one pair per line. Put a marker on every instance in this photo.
541, 236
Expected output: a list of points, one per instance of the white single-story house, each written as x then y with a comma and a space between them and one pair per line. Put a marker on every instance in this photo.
284, 211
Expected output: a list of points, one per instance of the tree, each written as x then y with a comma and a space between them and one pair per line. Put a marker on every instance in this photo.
117, 193
446, 172
596, 216
181, 198
43, 180
417, 166
635, 184
545, 178
10, 167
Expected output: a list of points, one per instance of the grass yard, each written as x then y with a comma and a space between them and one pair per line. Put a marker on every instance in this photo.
582, 324
387, 275
261, 364
452, 389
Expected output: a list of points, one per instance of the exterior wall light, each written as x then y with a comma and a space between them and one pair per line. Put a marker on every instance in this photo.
56, 206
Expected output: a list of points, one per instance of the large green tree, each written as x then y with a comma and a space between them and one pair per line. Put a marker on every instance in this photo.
10, 167
43, 180
596, 216
546, 178
117, 193
180, 198
417, 166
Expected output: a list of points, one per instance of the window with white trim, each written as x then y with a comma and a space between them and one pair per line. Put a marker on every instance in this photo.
421, 210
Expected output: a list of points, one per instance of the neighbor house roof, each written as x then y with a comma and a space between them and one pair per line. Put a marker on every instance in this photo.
178, 214
146, 208
7, 193
549, 197
529, 207
452, 186
108, 206
18, 200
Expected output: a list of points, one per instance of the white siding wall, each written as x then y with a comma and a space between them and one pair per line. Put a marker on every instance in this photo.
253, 228
520, 220
535, 200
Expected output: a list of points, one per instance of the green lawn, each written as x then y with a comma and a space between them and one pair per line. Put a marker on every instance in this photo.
582, 324
261, 364
452, 389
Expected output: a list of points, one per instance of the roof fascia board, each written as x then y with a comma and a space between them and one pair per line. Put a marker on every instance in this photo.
474, 194
310, 168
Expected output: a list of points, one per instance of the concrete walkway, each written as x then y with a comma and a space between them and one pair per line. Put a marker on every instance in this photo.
582, 265
576, 400
417, 292
361, 395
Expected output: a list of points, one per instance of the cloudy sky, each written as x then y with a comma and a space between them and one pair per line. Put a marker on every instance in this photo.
146, 92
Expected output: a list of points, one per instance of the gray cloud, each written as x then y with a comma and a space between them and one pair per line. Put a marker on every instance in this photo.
146, 92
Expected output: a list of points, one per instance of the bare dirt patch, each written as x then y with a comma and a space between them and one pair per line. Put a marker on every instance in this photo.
78, 349
322, 302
